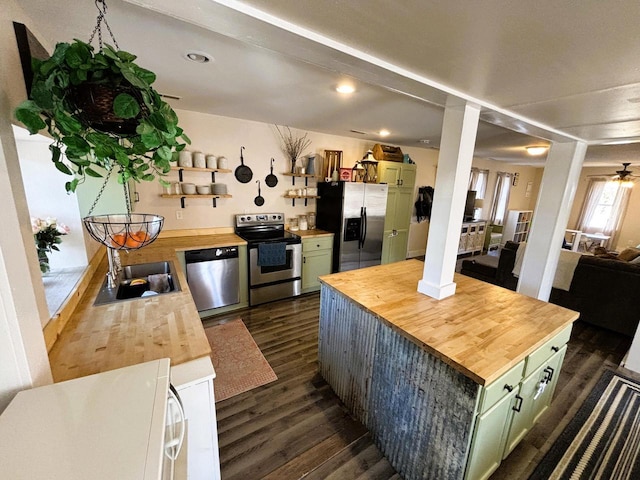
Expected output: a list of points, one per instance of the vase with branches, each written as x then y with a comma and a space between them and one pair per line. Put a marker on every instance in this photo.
292, 146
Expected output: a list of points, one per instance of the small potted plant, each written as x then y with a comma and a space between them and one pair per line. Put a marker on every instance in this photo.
100, 109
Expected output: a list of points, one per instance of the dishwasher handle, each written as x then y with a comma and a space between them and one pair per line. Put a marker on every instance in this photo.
210, 254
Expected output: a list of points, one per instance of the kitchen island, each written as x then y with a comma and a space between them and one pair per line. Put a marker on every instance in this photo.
446, 387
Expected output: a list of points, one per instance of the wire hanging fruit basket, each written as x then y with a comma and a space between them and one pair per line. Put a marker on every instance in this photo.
124, 231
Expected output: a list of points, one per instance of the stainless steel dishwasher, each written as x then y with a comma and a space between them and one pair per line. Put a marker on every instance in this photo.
213, 275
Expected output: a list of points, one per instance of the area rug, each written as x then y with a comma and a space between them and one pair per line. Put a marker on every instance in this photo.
603, 440
237, 360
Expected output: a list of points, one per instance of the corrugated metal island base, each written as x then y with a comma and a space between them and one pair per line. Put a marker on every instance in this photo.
446, 387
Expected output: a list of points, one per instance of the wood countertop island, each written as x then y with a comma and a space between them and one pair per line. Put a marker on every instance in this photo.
439, 383
106, 337
482, 330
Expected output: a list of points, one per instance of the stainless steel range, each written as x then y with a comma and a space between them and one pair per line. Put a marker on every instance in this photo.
275, 257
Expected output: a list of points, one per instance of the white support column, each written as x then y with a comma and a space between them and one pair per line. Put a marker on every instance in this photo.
24, 362
550, 217
459, 129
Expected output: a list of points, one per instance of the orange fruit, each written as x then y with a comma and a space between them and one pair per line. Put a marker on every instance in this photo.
141, 236
132, 241
118, 240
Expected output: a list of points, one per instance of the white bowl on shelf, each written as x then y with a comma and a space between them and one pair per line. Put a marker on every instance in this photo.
188, 188
203, 189
219, 188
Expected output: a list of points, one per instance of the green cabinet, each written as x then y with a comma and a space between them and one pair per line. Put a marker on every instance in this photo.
316, 261
489, 437
512, 404
533, 399
397, 174
401, 178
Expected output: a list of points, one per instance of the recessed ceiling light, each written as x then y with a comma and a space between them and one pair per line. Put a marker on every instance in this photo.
198, 57
537, 150
345, 88
384, 132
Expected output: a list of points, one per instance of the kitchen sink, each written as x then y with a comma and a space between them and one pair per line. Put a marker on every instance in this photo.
136, 281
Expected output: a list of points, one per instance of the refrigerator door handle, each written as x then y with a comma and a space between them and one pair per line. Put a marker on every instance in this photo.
361, 239
364, 234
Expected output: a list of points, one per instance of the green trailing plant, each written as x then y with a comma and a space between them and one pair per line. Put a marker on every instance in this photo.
139, 134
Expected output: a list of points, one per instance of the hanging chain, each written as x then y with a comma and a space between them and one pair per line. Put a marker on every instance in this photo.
104, 185
99, 19
102, 17
127, 200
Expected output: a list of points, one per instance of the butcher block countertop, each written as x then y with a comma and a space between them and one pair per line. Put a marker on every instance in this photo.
311, 233
482, 331
106, 337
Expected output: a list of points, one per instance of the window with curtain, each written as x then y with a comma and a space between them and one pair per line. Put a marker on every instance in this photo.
478, 181
500, 198
604, 207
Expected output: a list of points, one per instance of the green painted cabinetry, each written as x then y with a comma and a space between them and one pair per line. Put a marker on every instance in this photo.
401, 178
489, 438
511, 405
316, 261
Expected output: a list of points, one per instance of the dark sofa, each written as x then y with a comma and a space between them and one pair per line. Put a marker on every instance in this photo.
494, 270
605, 291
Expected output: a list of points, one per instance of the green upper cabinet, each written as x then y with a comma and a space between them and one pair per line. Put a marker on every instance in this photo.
397, 174
401, 178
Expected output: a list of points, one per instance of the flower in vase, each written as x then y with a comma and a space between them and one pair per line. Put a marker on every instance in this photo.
46, 234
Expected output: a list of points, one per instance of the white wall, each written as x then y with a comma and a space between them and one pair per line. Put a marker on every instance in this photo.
46, 197
223, 136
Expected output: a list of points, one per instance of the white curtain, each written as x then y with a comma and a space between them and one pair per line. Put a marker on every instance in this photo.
592, 203
478, 181
500, 198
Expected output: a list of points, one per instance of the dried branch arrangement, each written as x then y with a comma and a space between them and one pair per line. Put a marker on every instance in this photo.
292, 146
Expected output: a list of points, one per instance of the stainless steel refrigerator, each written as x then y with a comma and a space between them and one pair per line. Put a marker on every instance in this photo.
354, 212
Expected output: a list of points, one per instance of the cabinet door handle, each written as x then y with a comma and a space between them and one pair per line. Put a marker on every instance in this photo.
304, 259
517, 407
508, 388
555, 349
550, 371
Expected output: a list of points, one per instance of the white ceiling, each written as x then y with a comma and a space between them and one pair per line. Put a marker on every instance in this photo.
545, 70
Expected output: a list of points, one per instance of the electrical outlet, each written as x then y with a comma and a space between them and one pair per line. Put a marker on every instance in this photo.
179, 214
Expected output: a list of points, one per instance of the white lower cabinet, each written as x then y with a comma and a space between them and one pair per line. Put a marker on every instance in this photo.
194, 383
512, 404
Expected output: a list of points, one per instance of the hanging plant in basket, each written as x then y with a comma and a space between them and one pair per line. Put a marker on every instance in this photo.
101, 110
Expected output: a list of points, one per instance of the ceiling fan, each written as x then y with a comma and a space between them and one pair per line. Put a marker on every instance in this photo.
623, 175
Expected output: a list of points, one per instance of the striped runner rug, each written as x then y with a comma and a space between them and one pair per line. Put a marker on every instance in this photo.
602, 441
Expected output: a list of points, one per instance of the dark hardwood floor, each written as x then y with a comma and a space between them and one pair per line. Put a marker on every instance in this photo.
296, 427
